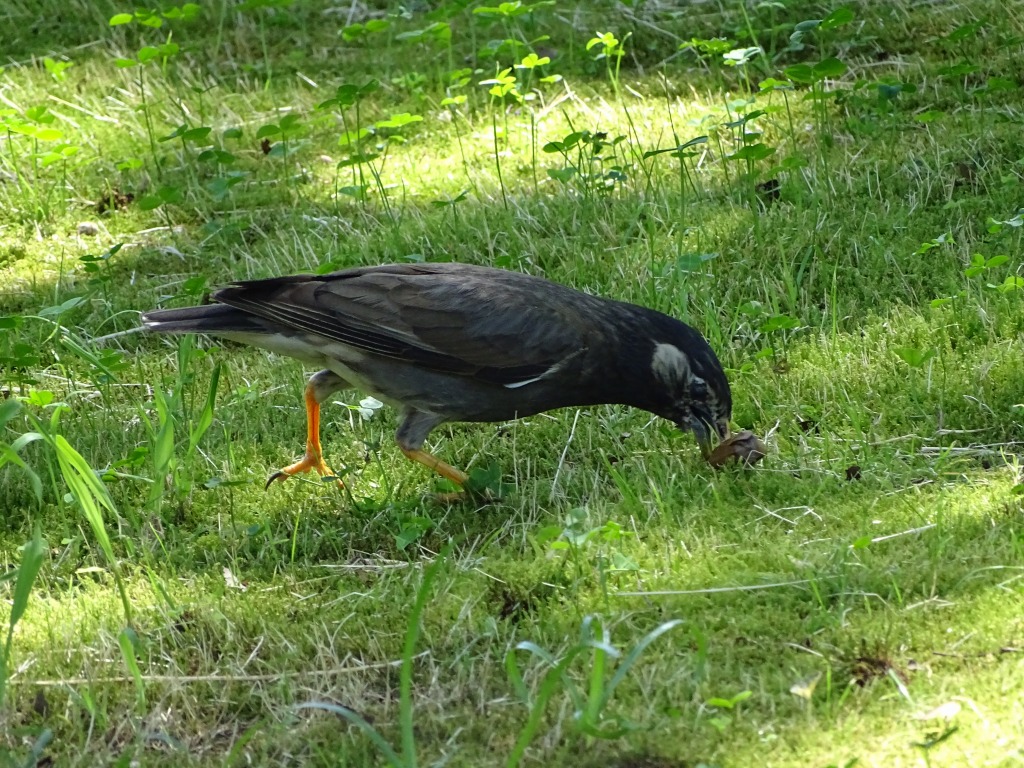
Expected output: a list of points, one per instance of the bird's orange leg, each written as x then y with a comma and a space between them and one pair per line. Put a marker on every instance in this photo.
313, 458
431, 461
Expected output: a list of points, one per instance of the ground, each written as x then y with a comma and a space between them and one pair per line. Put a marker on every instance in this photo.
835, 205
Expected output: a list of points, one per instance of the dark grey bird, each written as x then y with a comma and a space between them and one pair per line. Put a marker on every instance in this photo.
456, 342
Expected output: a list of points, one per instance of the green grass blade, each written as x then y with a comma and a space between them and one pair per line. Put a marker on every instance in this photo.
552, 681
515, 677
9, 456
163, 445
76, 347
91, 495
9, 453
31, 561
126, 643
634, 655
162, 450
8, 410
206, 415
24, 439
405, 707
595, 694
536, 650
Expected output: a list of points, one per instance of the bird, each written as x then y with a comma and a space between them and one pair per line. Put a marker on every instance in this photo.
456, 342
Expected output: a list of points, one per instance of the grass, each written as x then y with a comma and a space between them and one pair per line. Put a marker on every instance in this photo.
854, 600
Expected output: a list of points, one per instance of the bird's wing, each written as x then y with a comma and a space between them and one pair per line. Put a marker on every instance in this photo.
499, 327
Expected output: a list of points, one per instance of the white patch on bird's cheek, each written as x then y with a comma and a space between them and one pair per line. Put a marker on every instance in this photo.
670, 364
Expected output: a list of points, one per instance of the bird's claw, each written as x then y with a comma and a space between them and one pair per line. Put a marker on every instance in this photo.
279, 475
310, 461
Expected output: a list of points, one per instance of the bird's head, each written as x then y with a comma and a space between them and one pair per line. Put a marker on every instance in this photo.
693, 392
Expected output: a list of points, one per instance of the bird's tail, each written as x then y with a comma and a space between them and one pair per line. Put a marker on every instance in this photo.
211, 318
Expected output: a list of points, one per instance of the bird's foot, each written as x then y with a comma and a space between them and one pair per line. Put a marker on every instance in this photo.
311, 460
431, 461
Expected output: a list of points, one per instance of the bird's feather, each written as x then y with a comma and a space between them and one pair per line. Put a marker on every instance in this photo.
441, 318
208, 318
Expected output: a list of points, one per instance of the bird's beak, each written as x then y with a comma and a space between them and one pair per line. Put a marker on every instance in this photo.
705, 435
